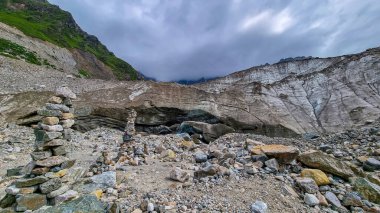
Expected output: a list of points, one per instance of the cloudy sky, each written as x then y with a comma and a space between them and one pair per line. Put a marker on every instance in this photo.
189, 39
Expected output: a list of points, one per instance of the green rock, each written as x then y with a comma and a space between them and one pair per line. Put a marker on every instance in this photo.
86, 203
326, 163
50, 185
20, 183
40, 155
30, 202
42, 136
14, 171
68, 164
368, 190
49, 113
7, 201
60, 150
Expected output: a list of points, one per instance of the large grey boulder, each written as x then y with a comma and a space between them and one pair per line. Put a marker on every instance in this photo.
210, 132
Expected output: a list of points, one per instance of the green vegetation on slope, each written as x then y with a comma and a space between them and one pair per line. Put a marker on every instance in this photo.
40, 19
84, 73
12, 50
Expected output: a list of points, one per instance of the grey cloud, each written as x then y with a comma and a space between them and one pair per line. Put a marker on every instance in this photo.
182, 39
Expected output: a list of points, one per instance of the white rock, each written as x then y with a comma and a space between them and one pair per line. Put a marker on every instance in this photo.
150, 207
65, 92
311, 200
259, 207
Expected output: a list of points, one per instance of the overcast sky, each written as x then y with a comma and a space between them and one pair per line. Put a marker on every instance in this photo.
189, 39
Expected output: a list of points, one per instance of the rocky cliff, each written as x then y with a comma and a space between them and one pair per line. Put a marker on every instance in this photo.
284, 99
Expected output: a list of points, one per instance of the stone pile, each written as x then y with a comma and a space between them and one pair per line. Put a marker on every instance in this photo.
130, 152
44, 178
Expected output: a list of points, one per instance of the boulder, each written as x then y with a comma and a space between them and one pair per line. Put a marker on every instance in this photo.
200, 157
272, 164
311, 199
86, 203
50, 185
210, 132
326, 163
178, 174
333, 200
307, 185
65, 92
371, 164
209, 170
368, 190
283, 154
352, 199
317, 175
30, 202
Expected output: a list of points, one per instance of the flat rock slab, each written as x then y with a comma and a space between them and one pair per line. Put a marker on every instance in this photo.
41, 155
20, 183
30, 202
326, 163
55, 142
52, 161
86, 203
283, 154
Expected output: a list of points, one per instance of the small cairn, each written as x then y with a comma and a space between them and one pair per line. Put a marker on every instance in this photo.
44, 182
130, 152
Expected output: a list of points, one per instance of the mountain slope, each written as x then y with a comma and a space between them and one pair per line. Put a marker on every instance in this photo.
39, 19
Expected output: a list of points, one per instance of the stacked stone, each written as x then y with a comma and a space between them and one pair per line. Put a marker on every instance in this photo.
43, 182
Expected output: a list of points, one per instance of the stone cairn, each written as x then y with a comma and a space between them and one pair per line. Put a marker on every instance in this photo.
130, 152
44, 180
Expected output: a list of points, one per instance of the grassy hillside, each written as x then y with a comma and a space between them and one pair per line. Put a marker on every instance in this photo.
40, 19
